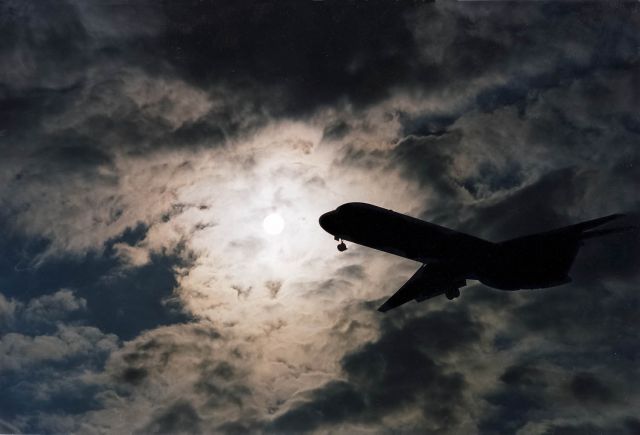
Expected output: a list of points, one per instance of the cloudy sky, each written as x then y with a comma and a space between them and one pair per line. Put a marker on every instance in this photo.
144, 142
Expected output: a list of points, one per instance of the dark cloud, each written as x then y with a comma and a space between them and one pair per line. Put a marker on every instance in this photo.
428, 160
627, 426
123, 302
211, 387
579, 340
310, 54
580, 308
335, 131
180, 417
546, 198
334, 403
50, 344
134, 375
586, 387
514, 407
527, 393
431, 124
273, 287
404, 368
198, 132
353, 271
45, 349
54, 58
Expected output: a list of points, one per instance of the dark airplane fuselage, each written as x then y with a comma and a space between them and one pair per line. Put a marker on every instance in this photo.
537, 261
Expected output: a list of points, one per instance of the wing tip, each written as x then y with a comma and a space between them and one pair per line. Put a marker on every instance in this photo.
384, 307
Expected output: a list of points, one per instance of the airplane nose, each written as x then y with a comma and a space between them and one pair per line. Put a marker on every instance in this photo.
325, 222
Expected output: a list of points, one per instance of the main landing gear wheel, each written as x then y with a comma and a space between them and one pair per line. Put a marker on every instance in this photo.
342, 247
452, 293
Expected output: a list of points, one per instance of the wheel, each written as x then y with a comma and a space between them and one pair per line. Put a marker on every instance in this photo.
342, 247
452, 293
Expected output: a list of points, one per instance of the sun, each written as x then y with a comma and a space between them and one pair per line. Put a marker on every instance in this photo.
273, 224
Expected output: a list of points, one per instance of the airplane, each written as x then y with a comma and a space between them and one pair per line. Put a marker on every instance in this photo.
449, 258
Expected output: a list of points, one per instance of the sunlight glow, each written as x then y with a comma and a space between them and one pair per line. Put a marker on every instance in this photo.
273, 224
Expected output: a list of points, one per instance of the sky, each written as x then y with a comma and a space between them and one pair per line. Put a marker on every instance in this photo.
144, 142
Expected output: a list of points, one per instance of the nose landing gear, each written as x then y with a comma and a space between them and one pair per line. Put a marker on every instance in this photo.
342, 247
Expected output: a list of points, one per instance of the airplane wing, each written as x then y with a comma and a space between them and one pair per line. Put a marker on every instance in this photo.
429, 281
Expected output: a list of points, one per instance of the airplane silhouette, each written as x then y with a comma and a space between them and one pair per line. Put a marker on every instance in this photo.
450, 257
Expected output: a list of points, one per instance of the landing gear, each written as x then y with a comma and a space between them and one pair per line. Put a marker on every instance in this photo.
452, 293
341, 246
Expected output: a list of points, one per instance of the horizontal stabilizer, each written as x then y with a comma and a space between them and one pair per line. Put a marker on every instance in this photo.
598, 233
587, 225
580, 228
